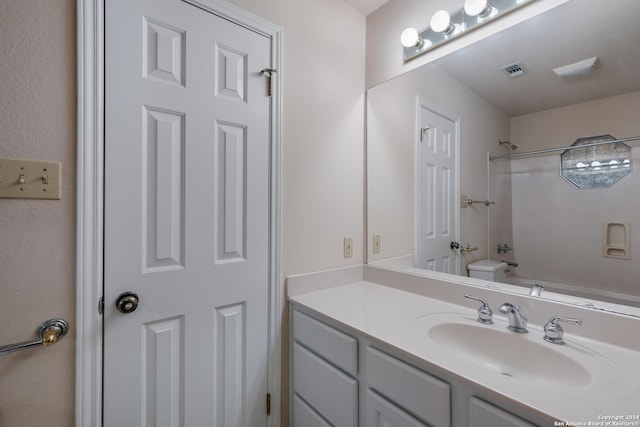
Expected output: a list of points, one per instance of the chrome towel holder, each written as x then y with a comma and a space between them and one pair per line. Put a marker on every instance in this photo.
49, 333
481, 202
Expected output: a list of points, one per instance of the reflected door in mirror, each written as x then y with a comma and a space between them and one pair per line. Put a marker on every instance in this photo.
436, 221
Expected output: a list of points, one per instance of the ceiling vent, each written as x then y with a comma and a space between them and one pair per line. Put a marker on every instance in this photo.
514, 70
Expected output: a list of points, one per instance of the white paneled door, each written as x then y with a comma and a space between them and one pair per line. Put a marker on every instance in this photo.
437, 191
187, 226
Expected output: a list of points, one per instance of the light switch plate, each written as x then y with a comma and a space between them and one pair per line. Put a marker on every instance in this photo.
29, 179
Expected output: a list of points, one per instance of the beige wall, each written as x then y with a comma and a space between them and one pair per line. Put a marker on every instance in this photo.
37, 237
322, 193
323, 130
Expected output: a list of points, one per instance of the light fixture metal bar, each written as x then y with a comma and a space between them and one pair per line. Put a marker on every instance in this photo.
463, 24
552, 150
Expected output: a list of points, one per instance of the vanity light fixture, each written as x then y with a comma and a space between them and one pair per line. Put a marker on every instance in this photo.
445, 26
441, 23
480, 8
410, 38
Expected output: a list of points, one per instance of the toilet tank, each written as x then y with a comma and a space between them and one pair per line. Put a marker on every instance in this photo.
487, 269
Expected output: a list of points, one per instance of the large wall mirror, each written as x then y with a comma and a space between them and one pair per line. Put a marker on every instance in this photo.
581, 242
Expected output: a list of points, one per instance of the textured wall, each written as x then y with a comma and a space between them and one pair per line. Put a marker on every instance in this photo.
37, 237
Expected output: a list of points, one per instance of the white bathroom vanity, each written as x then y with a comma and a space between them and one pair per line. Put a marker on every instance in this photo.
379, 352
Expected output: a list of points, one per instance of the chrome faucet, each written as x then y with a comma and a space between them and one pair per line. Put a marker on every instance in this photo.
503, 248
554, 332
484, 312
517, 322
536, 290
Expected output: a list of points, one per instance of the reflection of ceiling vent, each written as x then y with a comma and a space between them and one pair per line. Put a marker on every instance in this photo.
514, 70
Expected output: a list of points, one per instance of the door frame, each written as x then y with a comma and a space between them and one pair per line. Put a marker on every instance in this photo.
90, 199
422, 102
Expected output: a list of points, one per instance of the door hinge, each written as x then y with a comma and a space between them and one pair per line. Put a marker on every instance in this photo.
422, 132
268, 403
101, 306
269, 73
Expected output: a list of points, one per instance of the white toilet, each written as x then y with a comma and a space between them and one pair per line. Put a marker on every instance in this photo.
494, 271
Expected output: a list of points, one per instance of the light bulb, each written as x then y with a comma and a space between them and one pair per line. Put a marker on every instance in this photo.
477, 7
441, 22
410, 38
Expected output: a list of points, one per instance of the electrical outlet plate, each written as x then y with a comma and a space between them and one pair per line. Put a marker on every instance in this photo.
29, 179
377, 243
348, 247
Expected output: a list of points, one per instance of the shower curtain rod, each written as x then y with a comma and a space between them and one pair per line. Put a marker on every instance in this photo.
551, 150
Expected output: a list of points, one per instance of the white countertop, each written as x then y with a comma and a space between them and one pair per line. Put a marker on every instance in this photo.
397, 318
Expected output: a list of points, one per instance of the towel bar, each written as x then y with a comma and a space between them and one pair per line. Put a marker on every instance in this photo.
49, 332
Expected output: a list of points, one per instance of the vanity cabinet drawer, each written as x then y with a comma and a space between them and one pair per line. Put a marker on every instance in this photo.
327, 342
328, 391
304, 415
419, 393
382, 413
483, 414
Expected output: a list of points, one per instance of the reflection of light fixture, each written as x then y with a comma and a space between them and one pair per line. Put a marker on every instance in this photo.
445, 26
480, 8
441, 22
605, 165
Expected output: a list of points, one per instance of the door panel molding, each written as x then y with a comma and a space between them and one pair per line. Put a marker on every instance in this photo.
90, 196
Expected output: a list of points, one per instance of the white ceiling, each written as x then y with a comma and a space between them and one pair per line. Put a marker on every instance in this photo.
366, 6
576, 30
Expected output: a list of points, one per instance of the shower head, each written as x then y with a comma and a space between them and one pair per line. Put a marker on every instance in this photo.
512, 146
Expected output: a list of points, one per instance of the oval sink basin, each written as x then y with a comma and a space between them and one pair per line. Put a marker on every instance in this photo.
504, 353
526, 358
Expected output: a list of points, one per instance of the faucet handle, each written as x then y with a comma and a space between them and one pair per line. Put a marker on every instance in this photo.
553, 332
484, 312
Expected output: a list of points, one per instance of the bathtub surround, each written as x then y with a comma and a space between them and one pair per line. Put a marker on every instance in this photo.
562, 238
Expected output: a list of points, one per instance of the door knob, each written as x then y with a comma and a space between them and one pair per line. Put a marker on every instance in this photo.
127, 302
